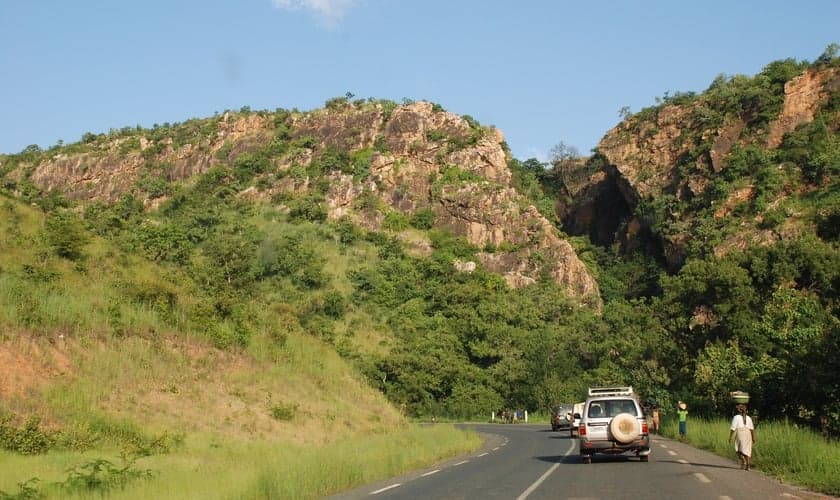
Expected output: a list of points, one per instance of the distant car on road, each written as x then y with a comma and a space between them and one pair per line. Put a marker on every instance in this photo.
562, 417
613, 422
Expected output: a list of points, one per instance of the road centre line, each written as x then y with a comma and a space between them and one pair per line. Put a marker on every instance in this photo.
542, 478
683, 461
462, 462
672, 452
702, 478
724, 497
396, 485
430, 473
664, 446
496, 448
483, 454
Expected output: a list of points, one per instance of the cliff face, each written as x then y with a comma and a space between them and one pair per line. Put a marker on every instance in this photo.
410, 158
682, 166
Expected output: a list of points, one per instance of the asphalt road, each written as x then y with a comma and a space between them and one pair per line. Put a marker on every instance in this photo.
520, 461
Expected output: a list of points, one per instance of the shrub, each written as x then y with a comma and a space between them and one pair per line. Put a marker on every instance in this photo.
435, 135
361, 161
395, 221
101, 475
247, 165
27, 440
65, 236
335, 305
331, 159
283, 412
310, 208
423, 218
347, 232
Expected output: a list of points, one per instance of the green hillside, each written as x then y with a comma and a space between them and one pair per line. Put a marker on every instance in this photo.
217, 310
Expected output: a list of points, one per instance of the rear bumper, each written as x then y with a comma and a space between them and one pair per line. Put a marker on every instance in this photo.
640, 447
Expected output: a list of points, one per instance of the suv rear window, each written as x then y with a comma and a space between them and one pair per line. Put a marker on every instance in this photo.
599, 408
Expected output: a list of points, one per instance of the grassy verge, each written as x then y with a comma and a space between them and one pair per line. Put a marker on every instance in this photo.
206, 468
792, 454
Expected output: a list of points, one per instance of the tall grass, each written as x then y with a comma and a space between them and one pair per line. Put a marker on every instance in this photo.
207, 468
793, 454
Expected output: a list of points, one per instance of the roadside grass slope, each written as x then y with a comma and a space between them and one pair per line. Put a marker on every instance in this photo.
104, 352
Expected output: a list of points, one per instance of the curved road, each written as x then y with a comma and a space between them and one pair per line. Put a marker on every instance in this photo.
522, 461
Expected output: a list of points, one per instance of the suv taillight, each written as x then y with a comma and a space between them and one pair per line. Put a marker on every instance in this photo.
644, 427
582, 429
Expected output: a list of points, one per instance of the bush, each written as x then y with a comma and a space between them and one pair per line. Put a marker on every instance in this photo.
335, 305
101, 475
65, 236
310, 208
423, 218
361, 161
395, 221
283, 412
27, 440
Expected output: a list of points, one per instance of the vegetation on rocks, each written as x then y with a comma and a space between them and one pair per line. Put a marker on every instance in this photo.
296, 276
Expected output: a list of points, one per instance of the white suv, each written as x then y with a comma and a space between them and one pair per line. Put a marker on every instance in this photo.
612, 422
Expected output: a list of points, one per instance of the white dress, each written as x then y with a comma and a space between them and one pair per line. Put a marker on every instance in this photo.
743, 425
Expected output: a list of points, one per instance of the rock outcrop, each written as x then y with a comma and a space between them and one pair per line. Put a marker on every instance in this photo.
676, 153
420, 158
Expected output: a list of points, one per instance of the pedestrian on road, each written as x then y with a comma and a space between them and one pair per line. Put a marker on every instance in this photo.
743, 431
682, 414
654, 416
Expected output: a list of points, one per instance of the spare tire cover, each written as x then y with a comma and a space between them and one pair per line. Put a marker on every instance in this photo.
624, 428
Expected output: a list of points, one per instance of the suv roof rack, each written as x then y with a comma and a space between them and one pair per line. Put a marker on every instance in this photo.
611, 391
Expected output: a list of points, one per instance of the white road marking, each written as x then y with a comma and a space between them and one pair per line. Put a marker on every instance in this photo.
386, 489
483, 455
672, 452
462, 462
790, 495
683, 461
542, 478
702, 478
496, 449
724, 497
538, 482
662, 445
431, 472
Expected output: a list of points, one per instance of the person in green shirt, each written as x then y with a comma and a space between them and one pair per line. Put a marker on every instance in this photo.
682, 414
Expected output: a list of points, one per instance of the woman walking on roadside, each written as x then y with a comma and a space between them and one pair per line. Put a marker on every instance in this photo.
654, 415
743, 431
682, 416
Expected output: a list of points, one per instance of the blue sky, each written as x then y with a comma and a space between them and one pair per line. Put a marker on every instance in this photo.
541, 71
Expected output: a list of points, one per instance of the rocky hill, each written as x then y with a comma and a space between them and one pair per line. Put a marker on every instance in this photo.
704, 174
363, 161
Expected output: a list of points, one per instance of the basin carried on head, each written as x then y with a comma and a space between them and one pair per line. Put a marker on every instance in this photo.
740, 397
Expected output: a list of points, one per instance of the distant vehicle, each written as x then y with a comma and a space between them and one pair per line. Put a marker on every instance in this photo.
562, 417
612, 422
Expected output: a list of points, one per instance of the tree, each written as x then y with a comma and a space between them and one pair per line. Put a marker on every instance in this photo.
624, 112
65, 236
563, 157
562, 152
